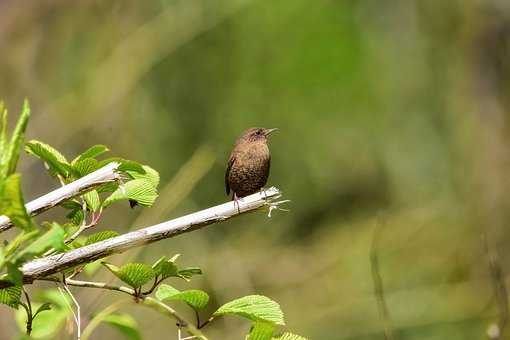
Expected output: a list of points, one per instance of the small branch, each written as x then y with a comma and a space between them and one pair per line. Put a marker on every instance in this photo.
93, 223
89, 284
78, 309
30, 315
106, 174
45, 266
146, 301
167, 310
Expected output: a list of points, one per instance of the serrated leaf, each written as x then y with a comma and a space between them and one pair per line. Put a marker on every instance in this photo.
11, 153
255, 308
91, 152
150, 174
12, 203
76, 216
289, 336
139, 190
188, 272
93, 200
165, 268
85, 166
195, 298
124, 323
71, 205
54, 159
125, 165
261, 330
10, 296
107, 187
133, 274
101, 236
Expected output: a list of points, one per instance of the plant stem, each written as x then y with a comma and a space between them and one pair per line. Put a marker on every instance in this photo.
145, 300
167, 310
28, 309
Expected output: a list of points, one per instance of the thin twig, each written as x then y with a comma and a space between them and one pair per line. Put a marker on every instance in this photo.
78, 310
378, 284
28, 309
83, 227
55, 263
146, 301
106, 174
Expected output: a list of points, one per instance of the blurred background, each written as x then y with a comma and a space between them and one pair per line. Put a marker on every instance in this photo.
394, 147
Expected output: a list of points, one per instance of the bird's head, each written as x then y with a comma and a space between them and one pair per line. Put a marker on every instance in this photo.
256, 134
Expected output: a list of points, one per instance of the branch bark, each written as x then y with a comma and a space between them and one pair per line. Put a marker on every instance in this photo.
45, 266
106, 174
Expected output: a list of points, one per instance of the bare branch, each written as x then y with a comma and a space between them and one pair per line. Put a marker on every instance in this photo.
106, 174
45, 266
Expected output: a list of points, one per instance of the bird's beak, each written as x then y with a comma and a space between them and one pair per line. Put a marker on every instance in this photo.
268, 131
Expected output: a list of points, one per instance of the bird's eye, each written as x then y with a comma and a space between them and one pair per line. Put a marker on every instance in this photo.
259, 132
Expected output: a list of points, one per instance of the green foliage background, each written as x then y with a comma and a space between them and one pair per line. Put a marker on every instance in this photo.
391, 113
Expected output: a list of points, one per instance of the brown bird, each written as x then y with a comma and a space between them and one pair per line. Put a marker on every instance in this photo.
248, 165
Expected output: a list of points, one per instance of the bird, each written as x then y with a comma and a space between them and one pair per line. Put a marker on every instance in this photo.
248, 165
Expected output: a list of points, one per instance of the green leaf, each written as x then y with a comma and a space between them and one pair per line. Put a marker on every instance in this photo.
76, 216
134, 274
14, 274
107, 187
140, 190
261, 330
165, 268
253, 307
19, 240
53, 238
85, 166
124, 323
54, 159
10, 296
12, 150
12, 203
289, 336
91, 268
91, 152
48, 324
44, 307
150, 174
101, 236
188, 272
195, 298
93, 200
125, 165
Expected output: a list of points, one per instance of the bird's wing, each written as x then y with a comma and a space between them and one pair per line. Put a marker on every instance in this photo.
227, 172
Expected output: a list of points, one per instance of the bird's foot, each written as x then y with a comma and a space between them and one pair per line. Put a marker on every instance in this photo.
263, 192
236, 202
